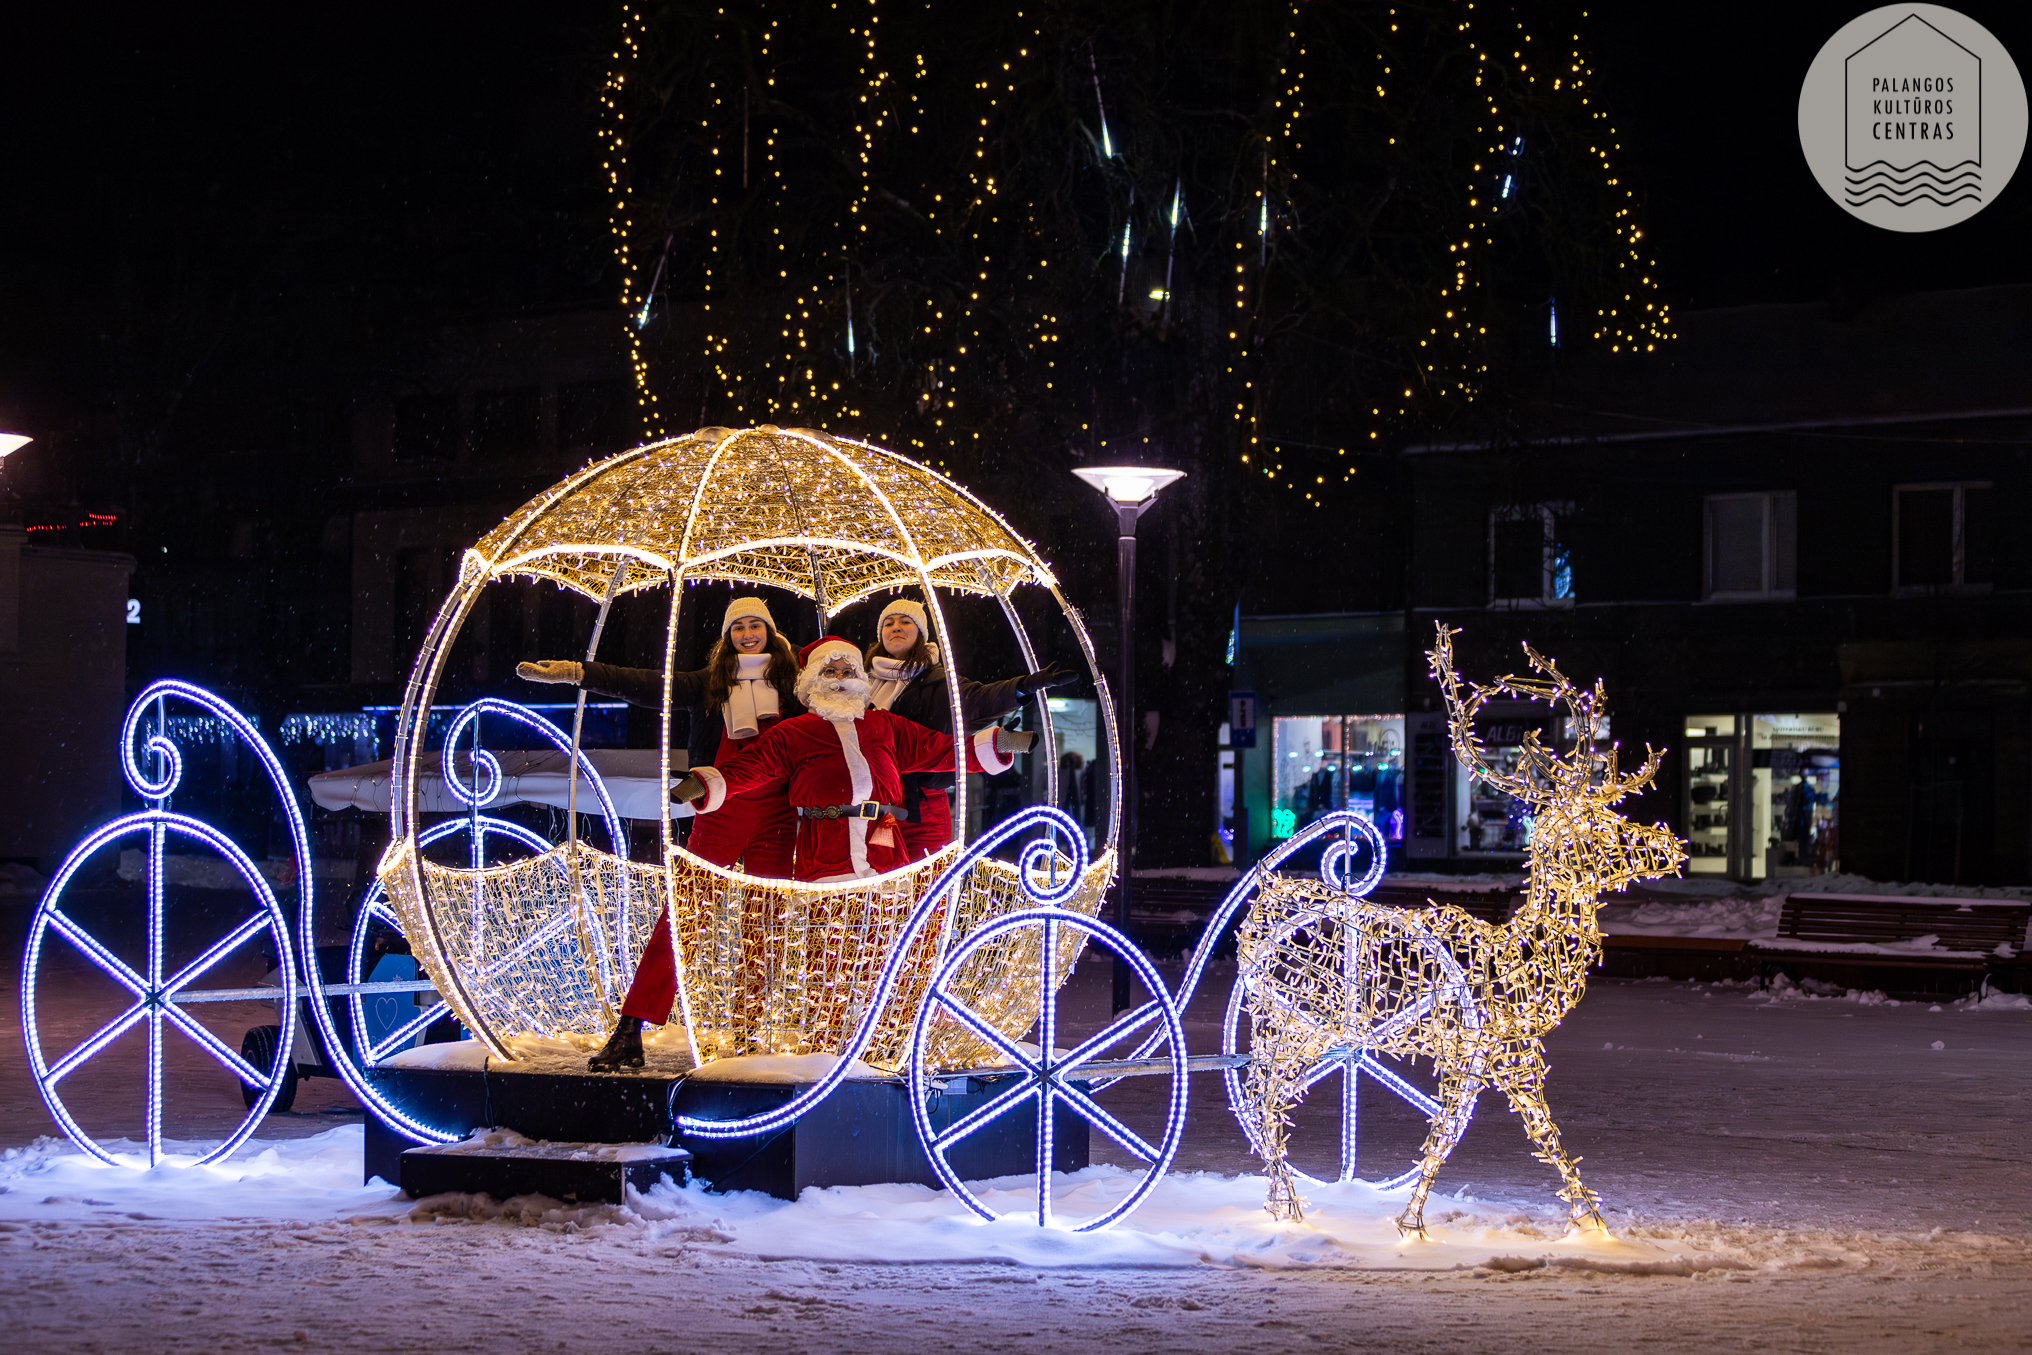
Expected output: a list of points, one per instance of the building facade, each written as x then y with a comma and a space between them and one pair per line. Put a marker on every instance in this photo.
1784, 553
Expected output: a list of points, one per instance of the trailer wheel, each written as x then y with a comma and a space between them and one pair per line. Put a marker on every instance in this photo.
258, 1048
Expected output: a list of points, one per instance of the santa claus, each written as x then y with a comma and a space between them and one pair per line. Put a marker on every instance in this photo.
841, 766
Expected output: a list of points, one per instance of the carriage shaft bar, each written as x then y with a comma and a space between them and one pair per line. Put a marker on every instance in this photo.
1113, 1068
330, 990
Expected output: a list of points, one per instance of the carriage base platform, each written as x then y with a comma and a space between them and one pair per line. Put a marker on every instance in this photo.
862, 1134
581, 1172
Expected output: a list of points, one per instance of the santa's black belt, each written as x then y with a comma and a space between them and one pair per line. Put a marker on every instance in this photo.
866, 809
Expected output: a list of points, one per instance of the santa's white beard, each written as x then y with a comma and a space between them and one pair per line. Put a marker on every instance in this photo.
839, 699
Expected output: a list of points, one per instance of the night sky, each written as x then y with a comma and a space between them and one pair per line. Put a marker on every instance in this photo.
265, 190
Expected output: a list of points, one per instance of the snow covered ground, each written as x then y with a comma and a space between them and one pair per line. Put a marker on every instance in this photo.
1855, 1171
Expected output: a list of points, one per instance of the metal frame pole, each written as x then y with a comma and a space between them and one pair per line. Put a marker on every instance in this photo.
1125, 518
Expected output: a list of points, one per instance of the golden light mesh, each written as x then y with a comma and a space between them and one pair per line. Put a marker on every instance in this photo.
776, 970
770, 966
1322, 970
794, 509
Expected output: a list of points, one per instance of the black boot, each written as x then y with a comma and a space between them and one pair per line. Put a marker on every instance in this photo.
622, 1050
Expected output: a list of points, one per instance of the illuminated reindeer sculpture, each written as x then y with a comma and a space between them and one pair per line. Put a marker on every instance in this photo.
1331, 978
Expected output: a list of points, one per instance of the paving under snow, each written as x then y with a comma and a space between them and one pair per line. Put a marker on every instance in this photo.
1853, 1169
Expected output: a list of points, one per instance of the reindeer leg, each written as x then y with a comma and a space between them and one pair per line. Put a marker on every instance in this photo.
1523, 1081
1271, 1079
1457, 1091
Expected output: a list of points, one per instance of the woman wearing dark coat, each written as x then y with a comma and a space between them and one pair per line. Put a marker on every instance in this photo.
910, 680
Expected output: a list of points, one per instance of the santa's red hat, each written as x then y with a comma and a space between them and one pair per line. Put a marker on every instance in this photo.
822, 650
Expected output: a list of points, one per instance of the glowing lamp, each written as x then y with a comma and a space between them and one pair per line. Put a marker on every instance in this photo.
12, 442
1130, 489
1126, 485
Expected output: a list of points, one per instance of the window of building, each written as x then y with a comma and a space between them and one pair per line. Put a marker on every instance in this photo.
1945, 536
1763, 795
1082, 783
1530, 559
1323, 763
422, 578
507, 422
426, 427
1752, 546
595, 414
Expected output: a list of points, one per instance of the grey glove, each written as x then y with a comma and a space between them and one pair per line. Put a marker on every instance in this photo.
691, 788
1014, 740
551, 670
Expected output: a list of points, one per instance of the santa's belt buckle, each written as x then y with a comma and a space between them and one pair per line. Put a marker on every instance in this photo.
866, 809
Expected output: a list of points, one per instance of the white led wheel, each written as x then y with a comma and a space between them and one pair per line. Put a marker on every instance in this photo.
1361, 1055
160, 998
1046, 1079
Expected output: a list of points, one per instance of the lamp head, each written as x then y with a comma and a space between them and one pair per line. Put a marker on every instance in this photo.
1127, 486
12, 442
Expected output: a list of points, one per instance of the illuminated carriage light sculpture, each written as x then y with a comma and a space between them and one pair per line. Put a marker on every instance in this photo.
765, 966
1326, 975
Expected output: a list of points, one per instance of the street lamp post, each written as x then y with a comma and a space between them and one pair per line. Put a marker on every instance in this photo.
1131, 489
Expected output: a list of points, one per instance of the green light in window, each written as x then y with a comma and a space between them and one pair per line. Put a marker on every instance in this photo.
1283, 822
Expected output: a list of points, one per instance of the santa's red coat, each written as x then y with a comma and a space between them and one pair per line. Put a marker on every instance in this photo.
813, 761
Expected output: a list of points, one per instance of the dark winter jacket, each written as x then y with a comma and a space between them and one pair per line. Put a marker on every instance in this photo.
925, 701
644, 687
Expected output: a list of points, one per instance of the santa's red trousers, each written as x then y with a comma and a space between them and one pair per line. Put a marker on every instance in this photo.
757, 831
930, 827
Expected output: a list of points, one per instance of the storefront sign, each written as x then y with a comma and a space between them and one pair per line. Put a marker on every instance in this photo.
1241, 719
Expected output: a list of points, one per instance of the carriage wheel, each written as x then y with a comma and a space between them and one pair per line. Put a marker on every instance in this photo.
1392, 1078
1049, 1078
382, 1023
160, 999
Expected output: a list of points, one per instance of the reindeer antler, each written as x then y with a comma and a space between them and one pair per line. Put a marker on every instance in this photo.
1540, 775
1461, 712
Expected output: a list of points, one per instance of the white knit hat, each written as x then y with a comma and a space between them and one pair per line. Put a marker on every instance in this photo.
741, 607
905, 607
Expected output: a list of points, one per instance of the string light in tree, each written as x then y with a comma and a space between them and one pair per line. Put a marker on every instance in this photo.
621, 212
1621, 323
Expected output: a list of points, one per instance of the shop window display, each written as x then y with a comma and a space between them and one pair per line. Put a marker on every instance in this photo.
1324, 763
1763, 794
1488, 821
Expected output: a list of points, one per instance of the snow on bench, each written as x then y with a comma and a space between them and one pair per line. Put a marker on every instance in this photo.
1901, 929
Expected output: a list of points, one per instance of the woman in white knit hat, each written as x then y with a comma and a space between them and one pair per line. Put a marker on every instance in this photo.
910, 678
748, 685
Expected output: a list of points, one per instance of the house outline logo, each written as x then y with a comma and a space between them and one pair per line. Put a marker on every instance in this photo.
1912, 117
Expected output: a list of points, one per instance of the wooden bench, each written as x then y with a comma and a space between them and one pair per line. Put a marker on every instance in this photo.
1815, 931
1168, 913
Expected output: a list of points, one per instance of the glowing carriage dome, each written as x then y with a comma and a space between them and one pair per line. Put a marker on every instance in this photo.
547, 945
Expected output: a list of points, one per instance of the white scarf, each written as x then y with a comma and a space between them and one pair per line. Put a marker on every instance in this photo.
892, 676
751, 699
